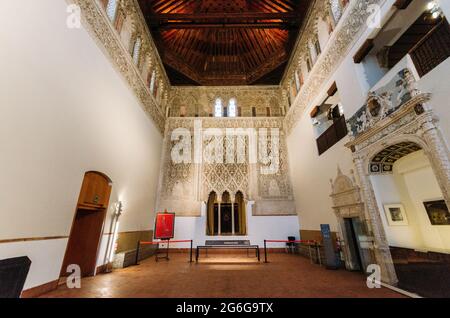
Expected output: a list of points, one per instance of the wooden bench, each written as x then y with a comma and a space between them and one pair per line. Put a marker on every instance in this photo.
227, 244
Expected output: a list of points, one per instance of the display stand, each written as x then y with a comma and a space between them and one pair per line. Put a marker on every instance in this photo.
162, 251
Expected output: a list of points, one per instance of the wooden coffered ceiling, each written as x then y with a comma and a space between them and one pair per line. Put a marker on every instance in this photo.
224, 42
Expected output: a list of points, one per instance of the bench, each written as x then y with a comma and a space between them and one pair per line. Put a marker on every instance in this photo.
227, 244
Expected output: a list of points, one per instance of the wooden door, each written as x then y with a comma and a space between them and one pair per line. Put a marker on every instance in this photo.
87, 227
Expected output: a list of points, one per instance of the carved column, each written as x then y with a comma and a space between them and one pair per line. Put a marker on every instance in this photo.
375, 226
232, 217
438, 155
219, 216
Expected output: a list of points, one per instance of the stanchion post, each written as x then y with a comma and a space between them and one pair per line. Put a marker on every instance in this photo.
137, 253
190, 254
265, 251
318, 254
310, 254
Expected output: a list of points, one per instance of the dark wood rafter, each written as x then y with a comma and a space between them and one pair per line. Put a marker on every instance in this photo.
234, 42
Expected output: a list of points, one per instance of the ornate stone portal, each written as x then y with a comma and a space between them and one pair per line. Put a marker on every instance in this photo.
411, 121
348, 204
185, 185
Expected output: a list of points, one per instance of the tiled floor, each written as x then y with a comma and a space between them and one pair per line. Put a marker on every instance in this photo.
225, 276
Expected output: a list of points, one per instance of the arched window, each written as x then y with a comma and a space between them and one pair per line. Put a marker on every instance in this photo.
232, 108
218, 109
152, 81
136, 50
297, 81
111, 9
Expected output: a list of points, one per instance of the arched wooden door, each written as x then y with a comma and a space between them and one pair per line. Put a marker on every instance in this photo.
87, 226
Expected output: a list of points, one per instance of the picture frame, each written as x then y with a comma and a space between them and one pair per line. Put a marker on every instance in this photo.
164, 226
395, 214
437, 211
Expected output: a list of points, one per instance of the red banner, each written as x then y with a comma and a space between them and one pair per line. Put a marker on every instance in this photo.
164, 226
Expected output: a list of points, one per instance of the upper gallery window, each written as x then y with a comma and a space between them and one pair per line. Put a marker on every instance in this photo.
232, 108
317, 46
218, 109
308, 63
136, 50
111, 9
152, 81
297, 81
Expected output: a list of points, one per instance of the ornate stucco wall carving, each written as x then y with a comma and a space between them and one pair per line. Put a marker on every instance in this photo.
184, 186
192, 101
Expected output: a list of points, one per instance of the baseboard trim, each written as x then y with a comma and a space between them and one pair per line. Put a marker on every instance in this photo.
40, 290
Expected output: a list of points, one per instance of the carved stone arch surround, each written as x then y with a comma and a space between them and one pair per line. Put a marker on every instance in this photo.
413, 122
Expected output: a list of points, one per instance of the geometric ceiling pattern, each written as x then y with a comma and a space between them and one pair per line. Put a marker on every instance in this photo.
232, 42
384, 161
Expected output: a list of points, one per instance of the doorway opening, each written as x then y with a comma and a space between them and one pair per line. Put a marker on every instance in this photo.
415, 217
353, 231
87, 227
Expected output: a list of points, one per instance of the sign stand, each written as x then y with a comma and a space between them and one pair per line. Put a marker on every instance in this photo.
166, 256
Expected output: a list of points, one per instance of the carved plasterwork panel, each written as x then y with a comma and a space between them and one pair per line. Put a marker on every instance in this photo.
277, 185
192, 183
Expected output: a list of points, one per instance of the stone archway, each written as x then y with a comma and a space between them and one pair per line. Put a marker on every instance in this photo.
411, 122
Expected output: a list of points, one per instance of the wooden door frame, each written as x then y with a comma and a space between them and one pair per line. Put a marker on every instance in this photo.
77, 208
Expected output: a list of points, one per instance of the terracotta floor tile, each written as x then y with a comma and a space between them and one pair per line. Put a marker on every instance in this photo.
225, 276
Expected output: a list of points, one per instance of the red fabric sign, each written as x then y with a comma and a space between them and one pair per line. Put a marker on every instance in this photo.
164, 226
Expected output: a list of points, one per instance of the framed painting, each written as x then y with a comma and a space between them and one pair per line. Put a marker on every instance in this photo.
164, 226
395, 214
438, 212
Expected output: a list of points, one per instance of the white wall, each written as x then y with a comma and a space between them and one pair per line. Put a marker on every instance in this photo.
259, 228
310, 175
412, 183
64, 111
